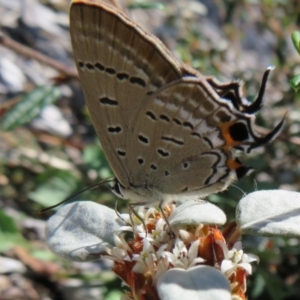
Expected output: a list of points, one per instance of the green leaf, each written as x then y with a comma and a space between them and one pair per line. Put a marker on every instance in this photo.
30, 106
114, 295
94, 158
44, 255
295, 82
58, 186
7, 224
296, 40
146, 5
9, 234
8, 241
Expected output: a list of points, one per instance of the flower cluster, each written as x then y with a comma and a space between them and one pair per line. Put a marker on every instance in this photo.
155, 247
176, 250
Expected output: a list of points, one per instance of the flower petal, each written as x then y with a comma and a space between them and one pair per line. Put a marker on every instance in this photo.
247, 267
251, 258
226, 265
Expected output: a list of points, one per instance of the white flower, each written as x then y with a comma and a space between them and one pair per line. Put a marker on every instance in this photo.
236, 258
145, 259
181, 257
120, 252
159, 233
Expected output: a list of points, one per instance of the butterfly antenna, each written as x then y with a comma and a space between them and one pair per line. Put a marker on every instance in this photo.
255, 185
238, 188
105, 182
118, 214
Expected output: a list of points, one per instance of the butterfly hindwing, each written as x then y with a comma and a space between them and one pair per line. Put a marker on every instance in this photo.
118, 64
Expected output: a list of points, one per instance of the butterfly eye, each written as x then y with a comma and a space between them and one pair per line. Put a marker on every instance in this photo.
117, 190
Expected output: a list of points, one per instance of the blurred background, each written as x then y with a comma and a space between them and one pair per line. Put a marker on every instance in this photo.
49, 149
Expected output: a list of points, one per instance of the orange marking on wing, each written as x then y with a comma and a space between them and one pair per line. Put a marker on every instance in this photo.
229, 142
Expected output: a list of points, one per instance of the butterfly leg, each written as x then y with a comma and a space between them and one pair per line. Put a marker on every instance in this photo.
134, 212
118, 214
171, 232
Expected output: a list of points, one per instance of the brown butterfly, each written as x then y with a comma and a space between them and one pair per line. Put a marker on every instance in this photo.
167, 131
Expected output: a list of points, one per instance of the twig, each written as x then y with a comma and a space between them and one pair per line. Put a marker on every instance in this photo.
8, 103
26, 51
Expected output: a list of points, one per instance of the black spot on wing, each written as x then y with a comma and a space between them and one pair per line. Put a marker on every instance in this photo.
189, 125
108, 101
151, 115
99, 66
143, 139
138, 81
242, 171
164, 118
196, 134
176, 121
114, 129
172, 140
185, 165
110, 71
141, 161
121, 153
153, 167
163, 153
90, 66
122, 76
80, 64
239, 132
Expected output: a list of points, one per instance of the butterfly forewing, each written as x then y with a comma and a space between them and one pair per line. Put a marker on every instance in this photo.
118, 65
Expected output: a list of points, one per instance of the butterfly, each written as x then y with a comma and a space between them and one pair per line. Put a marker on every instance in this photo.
168, 131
